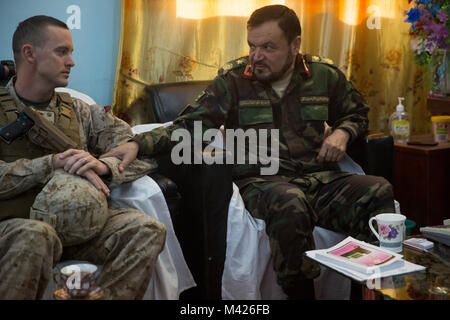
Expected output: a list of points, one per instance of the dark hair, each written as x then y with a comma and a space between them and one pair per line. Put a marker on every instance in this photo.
33, 31
287, 20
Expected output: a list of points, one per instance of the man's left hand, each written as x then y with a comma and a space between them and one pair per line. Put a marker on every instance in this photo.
334, 146
126, 152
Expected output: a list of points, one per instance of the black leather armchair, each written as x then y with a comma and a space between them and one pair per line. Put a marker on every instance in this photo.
7, 70
199, 194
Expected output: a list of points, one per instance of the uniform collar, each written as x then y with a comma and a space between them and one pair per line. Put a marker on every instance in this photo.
14, 95
301, 73
12, 91
301, 68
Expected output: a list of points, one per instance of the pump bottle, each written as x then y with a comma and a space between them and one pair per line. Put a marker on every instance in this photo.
399, 125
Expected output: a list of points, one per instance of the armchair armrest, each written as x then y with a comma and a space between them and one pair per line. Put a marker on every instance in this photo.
375, 155
170, 192
206, 191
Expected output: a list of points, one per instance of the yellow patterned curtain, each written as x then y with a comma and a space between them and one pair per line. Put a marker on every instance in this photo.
183, 40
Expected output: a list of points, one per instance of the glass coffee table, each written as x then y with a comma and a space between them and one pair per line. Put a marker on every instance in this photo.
433, 283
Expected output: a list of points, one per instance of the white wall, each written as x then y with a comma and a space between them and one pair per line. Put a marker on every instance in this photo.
95, 38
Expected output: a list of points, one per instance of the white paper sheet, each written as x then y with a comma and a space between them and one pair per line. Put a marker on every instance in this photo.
404, 267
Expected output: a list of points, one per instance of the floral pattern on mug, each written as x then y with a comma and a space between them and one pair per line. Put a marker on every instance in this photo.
389, 232
384, 230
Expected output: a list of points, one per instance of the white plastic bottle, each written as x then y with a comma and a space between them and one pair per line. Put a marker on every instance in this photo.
399, 123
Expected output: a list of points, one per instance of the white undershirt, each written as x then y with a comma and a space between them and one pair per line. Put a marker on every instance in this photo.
280, 86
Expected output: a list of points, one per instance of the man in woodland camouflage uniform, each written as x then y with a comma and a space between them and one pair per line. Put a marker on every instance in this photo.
277, 88
53, 205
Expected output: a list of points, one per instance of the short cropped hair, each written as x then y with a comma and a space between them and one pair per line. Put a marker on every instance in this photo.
287, 20
33, 31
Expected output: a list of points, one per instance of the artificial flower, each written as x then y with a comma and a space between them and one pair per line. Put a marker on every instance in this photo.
429, 27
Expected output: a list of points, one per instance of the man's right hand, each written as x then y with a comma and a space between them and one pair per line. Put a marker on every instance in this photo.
89, 174
126, 152
96, 181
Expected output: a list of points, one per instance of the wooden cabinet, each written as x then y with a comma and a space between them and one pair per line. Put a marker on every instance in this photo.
438, 106
422, 182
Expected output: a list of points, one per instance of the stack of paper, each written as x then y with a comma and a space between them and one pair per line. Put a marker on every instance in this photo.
418, 243
362, 261
437, 233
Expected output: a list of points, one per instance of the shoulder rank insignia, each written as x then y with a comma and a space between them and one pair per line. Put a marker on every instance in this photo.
322, 60
232, 65
228, 66
201, 94
326, 60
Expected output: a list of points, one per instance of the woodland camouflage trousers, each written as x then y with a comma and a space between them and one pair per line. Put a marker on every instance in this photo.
291, 208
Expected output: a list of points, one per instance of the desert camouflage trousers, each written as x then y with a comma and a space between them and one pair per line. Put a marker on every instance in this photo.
292, 207
127, 248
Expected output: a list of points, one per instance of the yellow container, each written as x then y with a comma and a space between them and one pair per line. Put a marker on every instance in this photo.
441, 128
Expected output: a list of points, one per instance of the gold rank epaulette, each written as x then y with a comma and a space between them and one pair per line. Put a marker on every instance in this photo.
233, 65
321, 60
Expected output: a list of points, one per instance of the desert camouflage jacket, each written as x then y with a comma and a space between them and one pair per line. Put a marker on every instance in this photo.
99, 132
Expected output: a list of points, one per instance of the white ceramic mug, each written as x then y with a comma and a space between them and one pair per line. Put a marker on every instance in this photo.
391, 230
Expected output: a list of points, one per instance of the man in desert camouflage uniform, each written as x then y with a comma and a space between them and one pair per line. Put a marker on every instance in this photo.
53, 205
277, 88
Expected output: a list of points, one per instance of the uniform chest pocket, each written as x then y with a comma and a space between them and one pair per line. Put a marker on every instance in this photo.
253, 112
314, 112
313, 117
